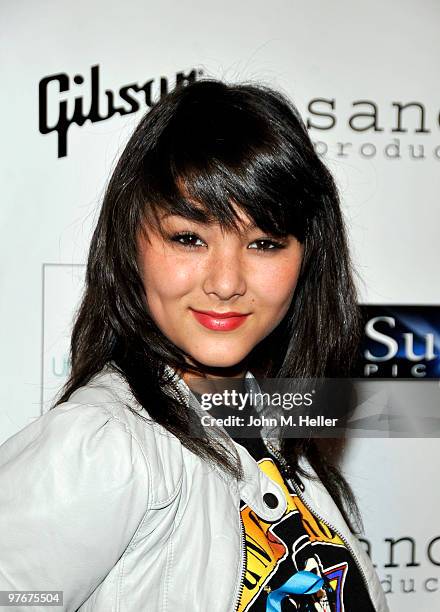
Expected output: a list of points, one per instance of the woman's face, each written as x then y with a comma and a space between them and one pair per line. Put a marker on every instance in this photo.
197, 272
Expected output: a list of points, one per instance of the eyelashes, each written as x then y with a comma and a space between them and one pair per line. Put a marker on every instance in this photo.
190, 240
186, 239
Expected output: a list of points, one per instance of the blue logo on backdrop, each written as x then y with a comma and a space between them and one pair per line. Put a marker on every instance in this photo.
400, 342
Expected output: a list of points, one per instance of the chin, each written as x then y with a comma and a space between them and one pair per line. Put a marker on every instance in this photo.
214, 359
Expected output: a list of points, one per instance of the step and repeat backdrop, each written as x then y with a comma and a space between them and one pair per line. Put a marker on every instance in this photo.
76, 80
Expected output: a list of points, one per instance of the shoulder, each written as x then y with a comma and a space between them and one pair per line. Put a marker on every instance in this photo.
101, 433
75, 489
75, 443
108, 396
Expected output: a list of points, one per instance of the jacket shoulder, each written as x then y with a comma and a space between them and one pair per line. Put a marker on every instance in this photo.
68, 428
66, 479
108, 392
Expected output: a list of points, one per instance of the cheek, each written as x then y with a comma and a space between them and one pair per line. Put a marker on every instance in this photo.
165, 278
275, 284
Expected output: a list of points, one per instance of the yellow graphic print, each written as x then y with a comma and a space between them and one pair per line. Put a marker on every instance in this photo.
264, 550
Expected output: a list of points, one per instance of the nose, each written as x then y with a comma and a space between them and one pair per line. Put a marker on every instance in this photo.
224, 274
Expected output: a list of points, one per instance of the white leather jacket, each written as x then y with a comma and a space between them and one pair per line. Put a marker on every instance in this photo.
118, 515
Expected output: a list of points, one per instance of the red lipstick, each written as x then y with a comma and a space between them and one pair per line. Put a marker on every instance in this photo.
219, 321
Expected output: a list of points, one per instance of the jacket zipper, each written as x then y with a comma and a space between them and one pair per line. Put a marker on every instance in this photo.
243, 564
287, 470
242, 532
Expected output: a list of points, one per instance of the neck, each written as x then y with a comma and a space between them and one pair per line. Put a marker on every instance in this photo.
212, 377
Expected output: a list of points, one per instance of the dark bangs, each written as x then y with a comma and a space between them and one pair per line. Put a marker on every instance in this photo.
229, 146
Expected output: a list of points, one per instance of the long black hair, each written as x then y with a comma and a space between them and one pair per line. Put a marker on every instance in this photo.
215, 143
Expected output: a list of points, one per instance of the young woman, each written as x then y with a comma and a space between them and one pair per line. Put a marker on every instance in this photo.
220, 251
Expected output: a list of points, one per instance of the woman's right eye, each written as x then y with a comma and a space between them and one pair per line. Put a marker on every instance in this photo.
187, 239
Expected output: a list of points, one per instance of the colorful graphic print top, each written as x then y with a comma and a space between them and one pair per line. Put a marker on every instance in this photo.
328, 579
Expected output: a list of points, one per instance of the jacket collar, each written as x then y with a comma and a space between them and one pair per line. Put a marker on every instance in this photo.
256, 483
251, 385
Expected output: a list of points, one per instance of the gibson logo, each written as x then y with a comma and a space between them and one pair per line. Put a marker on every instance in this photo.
92, 111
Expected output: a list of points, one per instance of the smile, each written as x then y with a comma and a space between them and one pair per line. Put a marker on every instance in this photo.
219, 321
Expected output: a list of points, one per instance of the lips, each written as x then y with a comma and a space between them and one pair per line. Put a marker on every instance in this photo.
220, 321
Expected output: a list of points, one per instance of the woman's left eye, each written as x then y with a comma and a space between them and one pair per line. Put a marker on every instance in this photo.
264, 244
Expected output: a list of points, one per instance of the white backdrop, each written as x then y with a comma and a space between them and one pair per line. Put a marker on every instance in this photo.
334, 60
